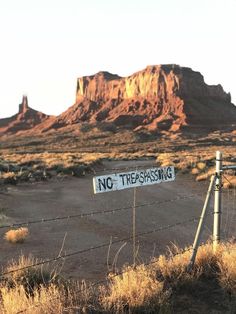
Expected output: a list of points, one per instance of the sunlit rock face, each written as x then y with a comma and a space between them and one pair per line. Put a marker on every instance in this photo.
154, 82
160, 97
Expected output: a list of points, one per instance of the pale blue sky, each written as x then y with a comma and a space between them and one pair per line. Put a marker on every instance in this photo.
47, 44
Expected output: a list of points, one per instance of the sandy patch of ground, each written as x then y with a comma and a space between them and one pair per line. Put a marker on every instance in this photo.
71, 196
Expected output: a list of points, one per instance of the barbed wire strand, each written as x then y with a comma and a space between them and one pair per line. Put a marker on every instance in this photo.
229, 219
162, 228
227, 214
234, 210
98, 212
110, 277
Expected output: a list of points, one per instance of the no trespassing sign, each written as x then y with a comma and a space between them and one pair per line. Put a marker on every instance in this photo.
125, 180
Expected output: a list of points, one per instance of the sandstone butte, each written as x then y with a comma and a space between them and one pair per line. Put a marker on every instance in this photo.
158, 98
26, 119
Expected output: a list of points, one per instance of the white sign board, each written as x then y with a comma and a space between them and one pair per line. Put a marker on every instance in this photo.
131, 179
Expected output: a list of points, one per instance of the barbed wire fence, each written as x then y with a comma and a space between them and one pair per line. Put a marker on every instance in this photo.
103, 245
95, 213
111, 277
229, 216
228, 205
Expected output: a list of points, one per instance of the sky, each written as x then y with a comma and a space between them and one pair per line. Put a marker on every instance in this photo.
45, 45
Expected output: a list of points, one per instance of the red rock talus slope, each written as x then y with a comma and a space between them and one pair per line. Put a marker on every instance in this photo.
162, 97
26, 119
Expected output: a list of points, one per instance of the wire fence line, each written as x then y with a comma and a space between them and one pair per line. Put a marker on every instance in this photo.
117, 273
111, 277
229, 211
228, 180
94, 213
92, 248
103, 245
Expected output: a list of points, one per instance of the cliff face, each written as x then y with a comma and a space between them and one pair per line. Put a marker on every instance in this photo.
162, 97
27, 118
154, 82
158, 98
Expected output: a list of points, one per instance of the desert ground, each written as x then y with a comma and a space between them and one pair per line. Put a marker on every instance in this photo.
179, 201
49, 177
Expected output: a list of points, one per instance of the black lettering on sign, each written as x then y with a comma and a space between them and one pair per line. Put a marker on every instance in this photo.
145, 176
109, 183
141, 180
149, 177
128, 178
156, 174
153, 177
102, 184
105, 183
133, 177
164, 174
169, 172
122, 176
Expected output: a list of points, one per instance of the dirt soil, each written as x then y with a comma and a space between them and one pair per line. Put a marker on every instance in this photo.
70, 196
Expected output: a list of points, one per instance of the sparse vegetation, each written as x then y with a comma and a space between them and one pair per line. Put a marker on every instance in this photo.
42, 166
158, 287
46, 300
77, 151
134, 288
17, 235
8, 177
227, 266
164, 285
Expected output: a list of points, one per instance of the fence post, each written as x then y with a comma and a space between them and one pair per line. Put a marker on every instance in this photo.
201, 224
134, 228
217, 202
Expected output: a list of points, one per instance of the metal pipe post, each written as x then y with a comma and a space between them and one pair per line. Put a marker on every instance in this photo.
201, 223
134, 228
217, 203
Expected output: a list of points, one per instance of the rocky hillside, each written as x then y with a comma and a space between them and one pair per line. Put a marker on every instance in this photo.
161, 97
26, 119
158, 98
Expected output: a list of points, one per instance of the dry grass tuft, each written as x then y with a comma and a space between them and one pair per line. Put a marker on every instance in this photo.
229, 181
201, 165
227, 266
17, 236
133, 288
39, 289
205, 175
160, 286
7, 175
45, 300
20, 272
195, 171
172, 267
